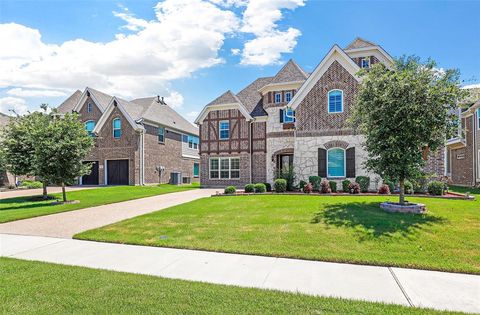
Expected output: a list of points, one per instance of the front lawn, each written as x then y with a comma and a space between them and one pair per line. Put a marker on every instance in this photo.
331, 228
12, 209
57, 289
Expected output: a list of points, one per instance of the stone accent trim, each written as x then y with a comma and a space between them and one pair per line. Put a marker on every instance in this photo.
336, 144
410, 208
328, 132
281, 134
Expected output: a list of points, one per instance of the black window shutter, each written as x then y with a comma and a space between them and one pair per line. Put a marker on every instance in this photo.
322, 162
281, 115
350, 157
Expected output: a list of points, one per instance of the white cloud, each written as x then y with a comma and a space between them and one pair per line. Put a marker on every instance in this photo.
235, 51
35, 93
191, 116
472, 86
174, 99
18, 105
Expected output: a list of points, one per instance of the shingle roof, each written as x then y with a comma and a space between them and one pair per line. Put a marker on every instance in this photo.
68, 105
360, 43
290, 72
102, 98
252, 99
226, 98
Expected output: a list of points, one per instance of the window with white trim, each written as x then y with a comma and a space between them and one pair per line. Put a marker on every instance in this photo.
161, 134
288, 115
335, 101
224, 168
365, 62
89, 107
336, 163
278, 97
193, 142
117, 128
288, 96
224, 129
89, 126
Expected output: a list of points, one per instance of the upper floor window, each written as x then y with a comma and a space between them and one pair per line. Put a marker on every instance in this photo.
117, 128
89, 107
224, 129
278, 97
478, 118
335, 101
288, 96
192, 141
365, 62
89, 126
336, 162
161, 134
288, 115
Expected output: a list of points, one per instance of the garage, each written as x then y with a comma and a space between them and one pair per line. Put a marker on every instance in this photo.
117, 172
92, 178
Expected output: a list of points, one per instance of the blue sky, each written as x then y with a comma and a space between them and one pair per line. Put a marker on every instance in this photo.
196, 51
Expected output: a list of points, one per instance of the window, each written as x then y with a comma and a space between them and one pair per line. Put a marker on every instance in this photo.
89, 107
278, 97
193, 142
288, 96
224, 129
161, 134
365, 62
89, 126
117, 128
224, 168
478, 118
335, 101
288, 115
336, 162
196, 169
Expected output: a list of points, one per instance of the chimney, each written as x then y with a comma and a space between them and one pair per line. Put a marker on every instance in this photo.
158, 98
163, 101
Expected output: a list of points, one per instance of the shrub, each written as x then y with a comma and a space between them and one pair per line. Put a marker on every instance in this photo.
249, 188
354, 188
268, 187
302, 184
289, 176
315, 180
436, 188
345, 184
229, 190
31, 184
408, 187
384, 189
260, 188
364, 182
280, 185
333, 185
308, 188
391, 184
325, 187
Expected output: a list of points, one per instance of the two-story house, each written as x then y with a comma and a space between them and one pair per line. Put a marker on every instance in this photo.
5, 178
138, 142
294, 119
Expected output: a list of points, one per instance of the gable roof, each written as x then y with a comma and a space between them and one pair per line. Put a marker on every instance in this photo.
252, 99
360, 43
102, 99
68, 105
290, 72
226, 98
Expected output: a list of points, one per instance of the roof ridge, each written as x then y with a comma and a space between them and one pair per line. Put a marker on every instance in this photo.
359, 39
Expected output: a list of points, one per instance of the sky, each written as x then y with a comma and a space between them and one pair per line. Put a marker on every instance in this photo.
191, 51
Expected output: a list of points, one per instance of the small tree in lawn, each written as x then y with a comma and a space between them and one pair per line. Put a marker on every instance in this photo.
404, 112
64, 146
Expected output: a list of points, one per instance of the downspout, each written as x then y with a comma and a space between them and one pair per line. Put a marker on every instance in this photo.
251, 150
142, 158
475, 155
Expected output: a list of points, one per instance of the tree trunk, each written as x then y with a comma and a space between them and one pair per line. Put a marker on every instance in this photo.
64, 193
402, 191
45, 194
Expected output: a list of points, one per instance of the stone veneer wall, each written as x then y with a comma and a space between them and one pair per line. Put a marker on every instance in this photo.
274, 145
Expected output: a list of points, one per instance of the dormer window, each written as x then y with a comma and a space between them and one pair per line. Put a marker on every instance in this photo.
89, 107
335, 101
288, 96
278, 97
117, 128
365, 63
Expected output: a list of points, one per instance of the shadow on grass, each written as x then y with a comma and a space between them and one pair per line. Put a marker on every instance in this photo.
368, 221
24, 203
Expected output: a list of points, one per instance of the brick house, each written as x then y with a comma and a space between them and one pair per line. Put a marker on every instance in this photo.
463, 151
294, 119
138, 142
5, 178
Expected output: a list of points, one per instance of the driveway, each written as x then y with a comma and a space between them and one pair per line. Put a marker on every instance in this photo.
67, 224
35, 192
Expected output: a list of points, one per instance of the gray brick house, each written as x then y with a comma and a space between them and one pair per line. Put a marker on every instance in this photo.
143, 141
294, 119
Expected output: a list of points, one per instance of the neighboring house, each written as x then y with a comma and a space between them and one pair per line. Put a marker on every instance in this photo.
463, 151
291, 119
143, 141
5, 178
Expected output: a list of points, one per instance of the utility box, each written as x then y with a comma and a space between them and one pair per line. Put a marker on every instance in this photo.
175, 178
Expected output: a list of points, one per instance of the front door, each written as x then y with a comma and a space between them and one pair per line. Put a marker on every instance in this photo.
117, 172
92, 178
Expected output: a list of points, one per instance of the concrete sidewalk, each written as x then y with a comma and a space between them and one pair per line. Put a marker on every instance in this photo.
438, 290
67, 224
34, 192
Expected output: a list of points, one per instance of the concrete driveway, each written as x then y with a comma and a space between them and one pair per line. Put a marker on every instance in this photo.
67, 224
35, 192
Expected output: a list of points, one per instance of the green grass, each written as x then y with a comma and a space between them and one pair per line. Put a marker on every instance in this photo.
12, 209
329, 228
41, 288
461, 189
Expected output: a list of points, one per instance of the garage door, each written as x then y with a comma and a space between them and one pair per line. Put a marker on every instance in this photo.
117, 172
92, 178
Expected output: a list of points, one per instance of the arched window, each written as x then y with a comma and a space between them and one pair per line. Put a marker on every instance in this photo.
117, 128
336, 162
335, 101
89, 126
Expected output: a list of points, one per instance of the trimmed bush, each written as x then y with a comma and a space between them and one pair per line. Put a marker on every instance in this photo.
315, 180
408, 187
260, 188
249, 188
308, 188
302, 184
325, 187
333, 185
31, 184
384, 189
354, 188
229, 190
280, 185
345, 184
436, 188
391, 184
364, 182
268, 187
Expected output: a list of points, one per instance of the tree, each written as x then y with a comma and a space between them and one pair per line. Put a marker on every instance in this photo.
61, 149
404, 112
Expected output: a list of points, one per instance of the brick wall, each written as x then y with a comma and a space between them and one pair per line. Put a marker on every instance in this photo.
462, 159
